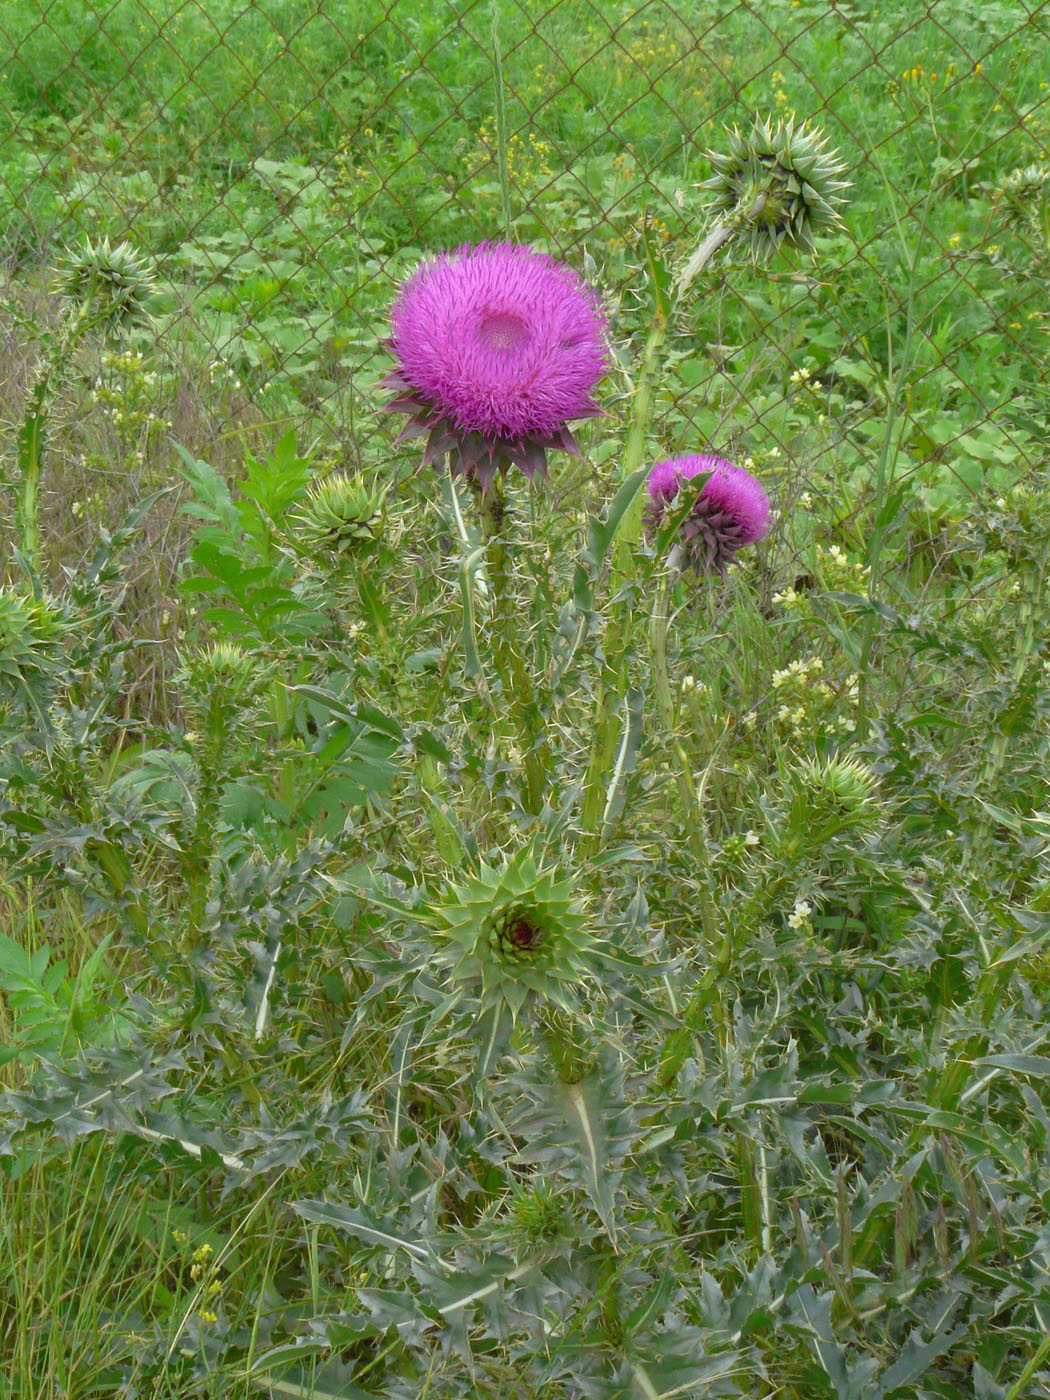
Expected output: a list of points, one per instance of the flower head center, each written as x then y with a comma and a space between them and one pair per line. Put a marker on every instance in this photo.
522, 934
503, 333
518, 932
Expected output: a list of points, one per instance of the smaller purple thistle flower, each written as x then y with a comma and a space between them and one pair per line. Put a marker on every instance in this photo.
731, 510
497, 348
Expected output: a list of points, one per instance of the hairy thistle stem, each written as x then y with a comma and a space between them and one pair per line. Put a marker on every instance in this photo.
518, 692
685, 778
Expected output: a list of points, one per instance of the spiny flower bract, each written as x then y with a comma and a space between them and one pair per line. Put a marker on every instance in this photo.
498, 347
513, 933
731, 510
781, 182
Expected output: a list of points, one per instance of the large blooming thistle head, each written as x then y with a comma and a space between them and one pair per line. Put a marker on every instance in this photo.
498, 348
778, 183
112, 282
731, 510
513, 934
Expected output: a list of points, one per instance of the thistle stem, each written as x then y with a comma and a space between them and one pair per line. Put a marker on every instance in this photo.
619, 631
518, 692
32, 436
685, 779
717, 238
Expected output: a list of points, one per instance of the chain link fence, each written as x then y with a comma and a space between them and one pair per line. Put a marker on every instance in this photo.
286, 161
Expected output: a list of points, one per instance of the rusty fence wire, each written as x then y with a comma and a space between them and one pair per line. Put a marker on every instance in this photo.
285, 162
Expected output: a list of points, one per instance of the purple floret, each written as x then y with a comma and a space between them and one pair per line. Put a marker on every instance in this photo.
732, 509
498, 347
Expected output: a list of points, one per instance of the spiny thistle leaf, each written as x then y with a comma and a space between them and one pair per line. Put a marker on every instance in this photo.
579, 1130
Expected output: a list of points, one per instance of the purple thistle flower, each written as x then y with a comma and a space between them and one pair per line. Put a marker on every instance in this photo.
731, 510
497, 347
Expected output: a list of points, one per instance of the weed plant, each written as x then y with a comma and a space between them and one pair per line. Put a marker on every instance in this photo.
446, 946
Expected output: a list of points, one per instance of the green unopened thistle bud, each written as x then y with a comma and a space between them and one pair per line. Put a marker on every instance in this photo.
830, 797
777, 184
1022, 193
513, 933
538, 1216
113, 284
780, 182
217, 682
222, 668
31, 635
342, 516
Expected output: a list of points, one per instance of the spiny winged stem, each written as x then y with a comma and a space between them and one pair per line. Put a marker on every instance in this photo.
611, 683
1031, 626
691, 808
519, 695
220, 681
198, 854
103, 286
32, 435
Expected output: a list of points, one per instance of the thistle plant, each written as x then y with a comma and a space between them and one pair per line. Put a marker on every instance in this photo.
104, 287
776, 186
497, 349
730, 511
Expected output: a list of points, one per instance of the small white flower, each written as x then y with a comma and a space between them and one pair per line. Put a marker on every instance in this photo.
799, 916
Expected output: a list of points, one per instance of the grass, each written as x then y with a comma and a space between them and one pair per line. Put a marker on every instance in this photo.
787, 1135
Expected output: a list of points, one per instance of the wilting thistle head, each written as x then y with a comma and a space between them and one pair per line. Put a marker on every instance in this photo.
114, 283
780, 184
513, 933
342, 516
732, 509
498, 347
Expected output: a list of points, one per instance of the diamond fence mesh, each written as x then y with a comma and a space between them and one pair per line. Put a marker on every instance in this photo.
286, 161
